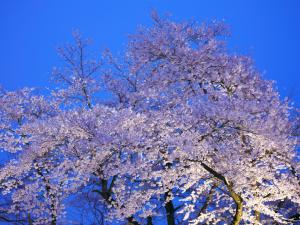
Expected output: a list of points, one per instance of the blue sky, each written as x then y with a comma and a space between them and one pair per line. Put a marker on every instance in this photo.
269, 31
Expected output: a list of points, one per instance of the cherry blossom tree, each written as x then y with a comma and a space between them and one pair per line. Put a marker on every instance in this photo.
191, 134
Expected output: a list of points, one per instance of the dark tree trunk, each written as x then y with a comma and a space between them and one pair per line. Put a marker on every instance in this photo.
105, 194
149, 220
170, 210
53, 221
132, 221
29, 219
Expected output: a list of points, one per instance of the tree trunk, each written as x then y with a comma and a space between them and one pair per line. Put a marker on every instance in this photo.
131, 221
29, 219
257, 215
149, 220
51, 195
105, 194
53, 221
239, 206
170, 210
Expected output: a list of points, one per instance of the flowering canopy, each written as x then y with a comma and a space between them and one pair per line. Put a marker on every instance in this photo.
190, 132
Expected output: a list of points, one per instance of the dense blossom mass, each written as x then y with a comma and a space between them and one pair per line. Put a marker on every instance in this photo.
189, 134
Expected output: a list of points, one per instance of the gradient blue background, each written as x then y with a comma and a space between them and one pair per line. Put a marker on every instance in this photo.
30, 30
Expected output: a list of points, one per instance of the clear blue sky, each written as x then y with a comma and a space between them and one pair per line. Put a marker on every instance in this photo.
30, 30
